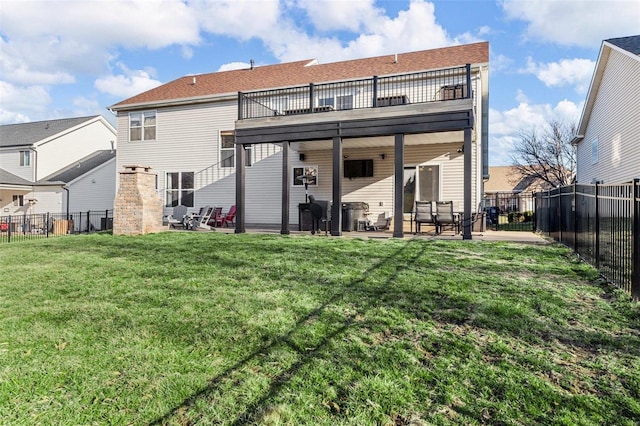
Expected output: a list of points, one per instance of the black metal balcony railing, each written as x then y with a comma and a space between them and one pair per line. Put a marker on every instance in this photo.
374, 92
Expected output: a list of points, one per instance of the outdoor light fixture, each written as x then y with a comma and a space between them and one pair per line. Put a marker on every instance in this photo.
301, 156
383, 156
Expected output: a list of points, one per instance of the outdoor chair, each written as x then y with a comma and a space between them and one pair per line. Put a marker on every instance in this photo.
229, 217
445, 216
177, 217
216, 217
201, 219
382, 223
423, 215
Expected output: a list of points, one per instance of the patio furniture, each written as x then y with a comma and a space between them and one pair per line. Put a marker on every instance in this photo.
201, 219
229, 217
423, 214
445, 216
216, 217
177, 217
382, 223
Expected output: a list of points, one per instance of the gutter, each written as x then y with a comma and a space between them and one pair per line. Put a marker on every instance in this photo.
576, 139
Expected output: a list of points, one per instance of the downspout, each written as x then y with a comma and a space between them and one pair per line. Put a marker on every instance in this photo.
67, 189
35, 163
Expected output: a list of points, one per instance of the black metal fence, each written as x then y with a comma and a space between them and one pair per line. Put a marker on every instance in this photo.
601, 223
374, 92
510, 211
44, 225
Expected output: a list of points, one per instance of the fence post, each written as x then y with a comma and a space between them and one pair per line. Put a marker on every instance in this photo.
9, 231
88, 221
635, 235
46, 225
575, 219
375, 91
597, 226
560, 215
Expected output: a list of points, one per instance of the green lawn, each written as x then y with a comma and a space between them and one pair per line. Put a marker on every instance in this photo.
211, 328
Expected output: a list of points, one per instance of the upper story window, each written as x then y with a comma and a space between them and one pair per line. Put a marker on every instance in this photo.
142, 126
594, 151
228, 150
337, 102
18, 200
25, 158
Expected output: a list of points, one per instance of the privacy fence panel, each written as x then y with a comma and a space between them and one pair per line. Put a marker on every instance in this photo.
601, 223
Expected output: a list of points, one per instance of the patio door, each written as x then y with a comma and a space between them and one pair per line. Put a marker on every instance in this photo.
421, 183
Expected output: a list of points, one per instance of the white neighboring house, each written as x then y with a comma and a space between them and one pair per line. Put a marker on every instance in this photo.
608, 140
425, 105
57, 166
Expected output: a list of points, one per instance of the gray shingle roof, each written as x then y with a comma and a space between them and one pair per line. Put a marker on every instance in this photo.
630, 44
26, 134
7, 178
79, 168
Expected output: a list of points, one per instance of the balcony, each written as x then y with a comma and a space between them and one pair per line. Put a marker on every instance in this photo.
375, 92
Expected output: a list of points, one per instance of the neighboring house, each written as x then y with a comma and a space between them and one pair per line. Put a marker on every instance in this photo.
510, 191
385, 131
608, 140
57, 166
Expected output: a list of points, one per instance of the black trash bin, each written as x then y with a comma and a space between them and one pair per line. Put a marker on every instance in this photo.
347, 217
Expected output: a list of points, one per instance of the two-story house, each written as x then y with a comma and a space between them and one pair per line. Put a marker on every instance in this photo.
608, 140
383, 131
57, 166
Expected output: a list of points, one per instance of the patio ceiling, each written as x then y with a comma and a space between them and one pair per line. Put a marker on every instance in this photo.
381, 141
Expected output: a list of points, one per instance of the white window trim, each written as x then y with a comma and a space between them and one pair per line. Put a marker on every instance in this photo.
335, 97
22, 153
248, 152
155, 113
179, 189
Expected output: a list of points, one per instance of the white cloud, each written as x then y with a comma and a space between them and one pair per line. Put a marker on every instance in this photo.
234, 66
574, 72
127, 84
25, 102
341, 15
505, 127
575, 22
500, 62
415, 28
242, 19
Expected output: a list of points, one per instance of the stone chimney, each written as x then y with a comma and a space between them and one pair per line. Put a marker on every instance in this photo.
137, 208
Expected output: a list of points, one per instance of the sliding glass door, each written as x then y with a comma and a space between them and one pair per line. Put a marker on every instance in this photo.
421, 183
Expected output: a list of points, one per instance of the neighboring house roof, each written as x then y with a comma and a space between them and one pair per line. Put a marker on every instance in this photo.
28, 134
78, 168
629, 46
508, 179
7, 178
305, 72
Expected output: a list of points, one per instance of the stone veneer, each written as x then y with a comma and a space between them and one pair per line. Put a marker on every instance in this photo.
138, 208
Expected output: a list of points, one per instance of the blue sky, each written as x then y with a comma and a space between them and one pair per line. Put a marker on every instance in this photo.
72, 58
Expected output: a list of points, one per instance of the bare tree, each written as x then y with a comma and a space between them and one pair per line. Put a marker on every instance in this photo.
548, 154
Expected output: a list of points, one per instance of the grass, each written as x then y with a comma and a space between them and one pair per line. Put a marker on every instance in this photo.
206, 328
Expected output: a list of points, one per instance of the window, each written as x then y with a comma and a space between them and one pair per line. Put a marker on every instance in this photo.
25, 159
456, 91
338, 102
18, 200
180, 189
228, 150
142, 126
594, 151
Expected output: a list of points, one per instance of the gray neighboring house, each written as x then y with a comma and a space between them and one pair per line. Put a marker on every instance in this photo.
57, 166
608, 140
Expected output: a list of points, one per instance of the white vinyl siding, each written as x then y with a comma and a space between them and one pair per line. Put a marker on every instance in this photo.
615, 123
188, 140
94, 191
